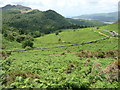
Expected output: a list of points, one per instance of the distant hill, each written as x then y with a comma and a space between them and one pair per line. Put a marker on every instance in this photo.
104, 17
29, 20
20, 7
86, 22
32, 20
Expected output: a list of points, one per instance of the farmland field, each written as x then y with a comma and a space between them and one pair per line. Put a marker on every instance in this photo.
91, 65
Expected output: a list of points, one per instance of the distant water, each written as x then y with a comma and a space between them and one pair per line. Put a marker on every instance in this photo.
96, 20
109, 22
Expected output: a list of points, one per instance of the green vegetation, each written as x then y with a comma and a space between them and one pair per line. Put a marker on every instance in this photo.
44, 22
27, 43
113, 27
82, 66
92, 65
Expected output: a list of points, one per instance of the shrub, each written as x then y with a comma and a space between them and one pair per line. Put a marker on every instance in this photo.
27, 43
28, 48
10, 37
98, 27
5, 35
36, 34
57, 33
60, 30
29, 37
20, 38
3, 46
59, 40
5, 54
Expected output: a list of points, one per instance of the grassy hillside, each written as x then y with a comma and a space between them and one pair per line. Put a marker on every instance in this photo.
67, 36
10, 45
112, 27
84, 66
91, 65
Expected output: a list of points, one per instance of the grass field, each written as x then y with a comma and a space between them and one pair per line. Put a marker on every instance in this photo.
112, 27
83, 66
67, 37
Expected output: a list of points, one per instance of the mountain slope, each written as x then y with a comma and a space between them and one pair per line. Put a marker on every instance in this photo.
105, 17
30, 20
86, 22
20, 7
34, 20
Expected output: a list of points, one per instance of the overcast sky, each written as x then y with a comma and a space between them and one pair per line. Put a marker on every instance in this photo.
68, 7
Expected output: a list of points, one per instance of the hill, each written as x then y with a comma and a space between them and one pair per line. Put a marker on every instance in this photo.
65, 37
46, 22
43, 21
86, 22
20, 7
91, 65
69, 58
104, 17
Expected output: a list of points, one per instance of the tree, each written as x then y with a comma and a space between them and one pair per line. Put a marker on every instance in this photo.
27, 43
57, 33
36, 34
97, 27
10, 37
20, 38
59, 40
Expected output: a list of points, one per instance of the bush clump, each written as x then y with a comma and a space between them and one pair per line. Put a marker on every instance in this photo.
28, 48
27, 43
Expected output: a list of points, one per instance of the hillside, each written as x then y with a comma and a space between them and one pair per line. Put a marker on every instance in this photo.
19, 7
112, 27
104, 17
45, 22
64, 67
86, 22
42, 49
66, 36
